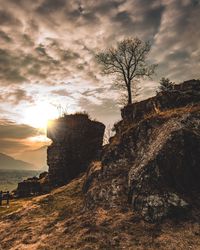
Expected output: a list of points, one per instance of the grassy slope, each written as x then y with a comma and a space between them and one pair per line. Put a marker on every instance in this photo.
59, 221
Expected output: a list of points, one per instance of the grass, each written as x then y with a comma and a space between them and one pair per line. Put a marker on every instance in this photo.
173, 112
81, 114
59, 221
14, 206
159, 115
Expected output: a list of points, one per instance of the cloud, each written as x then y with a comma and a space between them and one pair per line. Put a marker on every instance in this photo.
5, 37
6, 18
16, 96
11, 130
14, 137
19, 67
12, 146
49, 6
9, 69
61, 92
46, 44
105, 109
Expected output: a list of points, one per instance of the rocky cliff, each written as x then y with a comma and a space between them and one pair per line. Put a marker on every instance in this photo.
76, 141
152, 163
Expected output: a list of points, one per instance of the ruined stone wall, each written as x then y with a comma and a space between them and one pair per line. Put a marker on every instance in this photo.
76, 140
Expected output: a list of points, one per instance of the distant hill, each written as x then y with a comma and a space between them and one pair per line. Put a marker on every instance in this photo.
8, 162
37, 157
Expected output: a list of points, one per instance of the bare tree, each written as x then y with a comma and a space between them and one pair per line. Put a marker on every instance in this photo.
127, 61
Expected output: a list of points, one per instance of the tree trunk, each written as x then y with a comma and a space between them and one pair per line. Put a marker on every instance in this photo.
129, 94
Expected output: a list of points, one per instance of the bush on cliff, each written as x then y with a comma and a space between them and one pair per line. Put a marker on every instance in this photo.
165, 85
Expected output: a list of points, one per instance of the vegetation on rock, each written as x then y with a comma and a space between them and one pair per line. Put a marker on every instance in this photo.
166, 85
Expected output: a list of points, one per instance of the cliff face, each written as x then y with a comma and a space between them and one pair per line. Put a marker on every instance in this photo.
152, 163
76, 142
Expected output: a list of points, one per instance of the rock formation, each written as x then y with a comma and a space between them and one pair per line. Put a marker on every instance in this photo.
33, 186
152, 163
76, 141
181, 96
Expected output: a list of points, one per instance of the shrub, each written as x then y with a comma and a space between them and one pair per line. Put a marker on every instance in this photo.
166, 85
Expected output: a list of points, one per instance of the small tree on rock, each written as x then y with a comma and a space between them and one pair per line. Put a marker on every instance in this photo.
166, 85
128, 62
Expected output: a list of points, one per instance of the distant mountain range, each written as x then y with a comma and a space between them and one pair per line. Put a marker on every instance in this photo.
8, 162
37, 157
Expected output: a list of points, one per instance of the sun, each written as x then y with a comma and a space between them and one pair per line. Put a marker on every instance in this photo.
39, 115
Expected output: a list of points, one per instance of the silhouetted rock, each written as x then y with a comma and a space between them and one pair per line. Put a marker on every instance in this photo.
152, 163
33, 186
77, 141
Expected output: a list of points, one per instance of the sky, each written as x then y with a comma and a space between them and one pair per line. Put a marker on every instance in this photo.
47, 62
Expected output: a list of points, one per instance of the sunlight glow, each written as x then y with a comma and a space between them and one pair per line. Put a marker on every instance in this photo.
38, 115
39, 138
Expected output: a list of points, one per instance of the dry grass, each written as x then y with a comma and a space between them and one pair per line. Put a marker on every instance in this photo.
15, 205
159, 115
173, 112
59, 221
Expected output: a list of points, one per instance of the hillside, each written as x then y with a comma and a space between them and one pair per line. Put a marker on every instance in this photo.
9, 179
37, 157
8, 162
60, 221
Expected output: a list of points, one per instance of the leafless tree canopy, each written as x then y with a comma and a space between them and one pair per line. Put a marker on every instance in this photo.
128, 61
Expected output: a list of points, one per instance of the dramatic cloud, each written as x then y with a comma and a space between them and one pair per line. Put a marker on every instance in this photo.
15, 96
6, 18
11, 130
104, 110
48, 46
13, 137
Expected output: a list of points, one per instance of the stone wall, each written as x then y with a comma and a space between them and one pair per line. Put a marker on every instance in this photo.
76, 141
